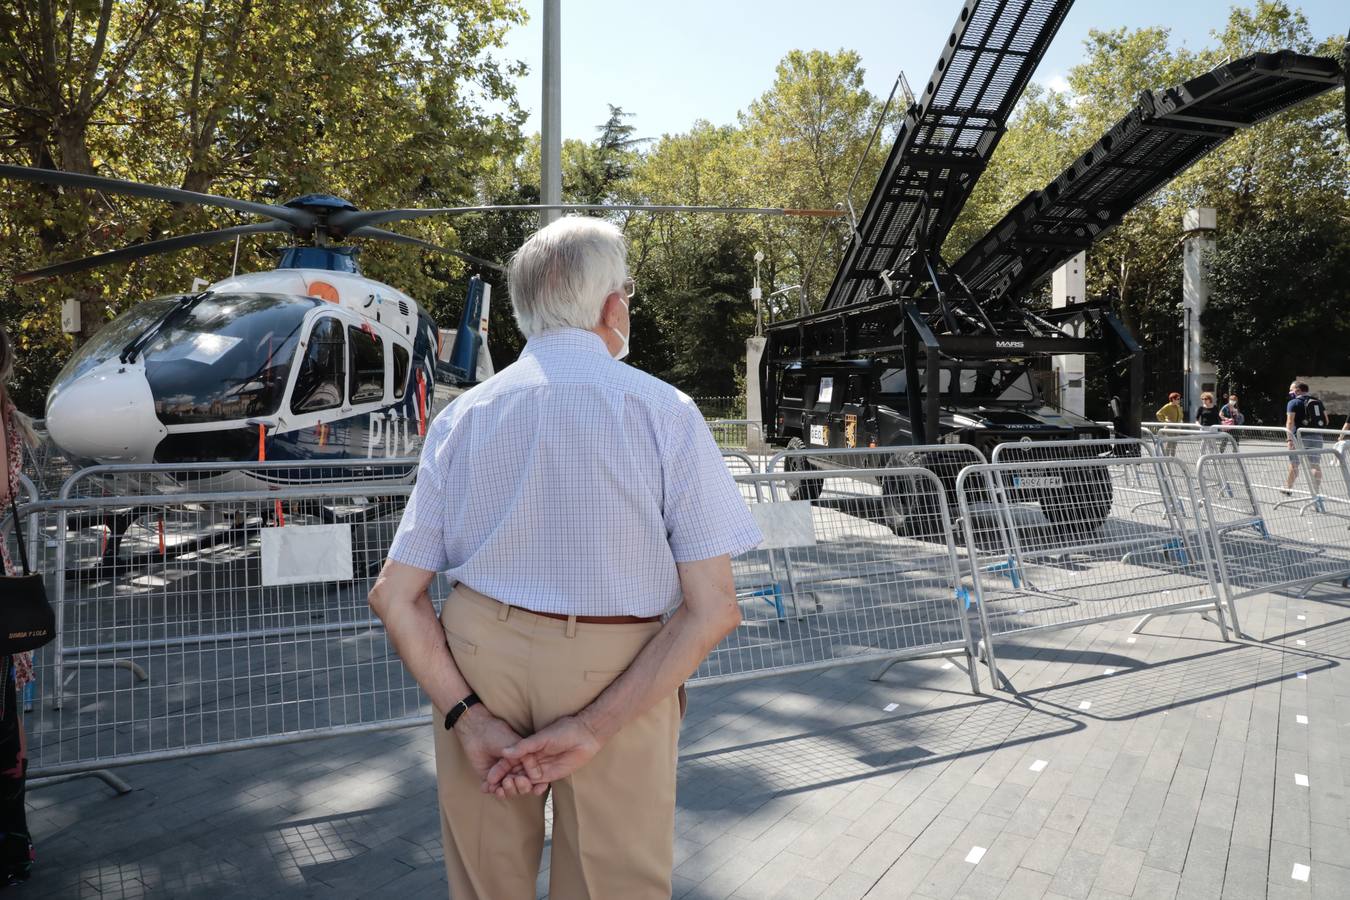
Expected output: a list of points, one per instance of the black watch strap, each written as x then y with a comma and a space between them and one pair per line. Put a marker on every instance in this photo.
459, 709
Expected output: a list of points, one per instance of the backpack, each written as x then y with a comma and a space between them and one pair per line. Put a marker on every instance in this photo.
1314, 413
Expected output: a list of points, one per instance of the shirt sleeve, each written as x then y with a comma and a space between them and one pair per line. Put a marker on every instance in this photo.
704, 513
420, 539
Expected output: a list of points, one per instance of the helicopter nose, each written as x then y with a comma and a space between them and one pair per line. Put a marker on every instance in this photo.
108, 415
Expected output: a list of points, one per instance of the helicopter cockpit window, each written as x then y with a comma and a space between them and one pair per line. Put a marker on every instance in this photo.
400, 371
366, 368
112, 338
226, 357
323, 370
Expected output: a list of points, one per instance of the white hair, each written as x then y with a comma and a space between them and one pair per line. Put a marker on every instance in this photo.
560, 277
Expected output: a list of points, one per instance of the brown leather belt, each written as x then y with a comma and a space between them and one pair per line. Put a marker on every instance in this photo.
595, 620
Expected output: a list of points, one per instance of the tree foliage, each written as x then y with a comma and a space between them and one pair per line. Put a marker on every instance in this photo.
392, 102
401, 102
1269, 321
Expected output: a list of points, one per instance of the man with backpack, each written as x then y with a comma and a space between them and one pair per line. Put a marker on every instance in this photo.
1304, 411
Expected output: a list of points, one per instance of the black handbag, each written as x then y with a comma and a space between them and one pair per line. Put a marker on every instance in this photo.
27, 620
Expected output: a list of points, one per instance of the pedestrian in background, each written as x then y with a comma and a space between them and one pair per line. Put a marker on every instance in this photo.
1171, 411
1230, 413
1303, 411
1207, 416
589, 521
16, 846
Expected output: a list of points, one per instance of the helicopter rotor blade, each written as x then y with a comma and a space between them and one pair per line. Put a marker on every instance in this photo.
296, 217
149, 248
347, 221
393, 237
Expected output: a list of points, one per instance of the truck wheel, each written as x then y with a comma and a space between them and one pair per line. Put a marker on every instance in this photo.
910, 506
801, 488
1083, 504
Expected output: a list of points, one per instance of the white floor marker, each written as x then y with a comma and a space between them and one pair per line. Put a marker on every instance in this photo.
1303, 675
1302, 720
1108, 671
1129, 640
1300, 779
976, 854
1039, 765
1303, 618
1086, 704
1301, 643
1300, 872
891, 707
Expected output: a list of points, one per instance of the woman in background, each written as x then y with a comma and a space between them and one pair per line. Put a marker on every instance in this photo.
16, 847
1207, 415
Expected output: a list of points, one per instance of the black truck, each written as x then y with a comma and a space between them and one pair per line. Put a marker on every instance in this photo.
907, 349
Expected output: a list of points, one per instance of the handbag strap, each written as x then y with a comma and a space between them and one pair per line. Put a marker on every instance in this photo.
18, 531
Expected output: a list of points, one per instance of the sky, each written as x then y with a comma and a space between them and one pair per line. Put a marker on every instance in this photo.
673, 63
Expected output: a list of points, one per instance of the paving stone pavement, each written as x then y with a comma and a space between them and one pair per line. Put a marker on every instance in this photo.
1188, 774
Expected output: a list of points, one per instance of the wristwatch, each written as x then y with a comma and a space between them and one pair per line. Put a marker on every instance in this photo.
459, 709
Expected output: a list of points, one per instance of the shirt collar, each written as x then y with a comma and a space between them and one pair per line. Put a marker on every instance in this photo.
565, 339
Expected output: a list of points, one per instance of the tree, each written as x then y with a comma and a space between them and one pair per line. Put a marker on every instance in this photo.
802, 142
393, 102
1269, 320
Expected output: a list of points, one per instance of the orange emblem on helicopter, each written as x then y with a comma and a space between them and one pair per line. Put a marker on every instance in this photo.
322, 290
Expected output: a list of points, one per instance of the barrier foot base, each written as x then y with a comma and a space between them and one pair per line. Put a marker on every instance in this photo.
103, 775
137, 672
131, 666
949, 654
1205, 612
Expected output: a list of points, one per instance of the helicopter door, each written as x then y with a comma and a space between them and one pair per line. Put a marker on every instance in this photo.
320, 383
318, 399
365, 374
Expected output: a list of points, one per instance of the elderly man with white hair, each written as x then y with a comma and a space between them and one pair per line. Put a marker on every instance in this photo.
585, 515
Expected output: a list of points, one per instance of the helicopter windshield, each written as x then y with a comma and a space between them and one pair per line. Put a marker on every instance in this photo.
109, 341
228, 357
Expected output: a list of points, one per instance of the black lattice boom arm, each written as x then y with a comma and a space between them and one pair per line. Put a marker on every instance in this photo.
946, 140
1160, 138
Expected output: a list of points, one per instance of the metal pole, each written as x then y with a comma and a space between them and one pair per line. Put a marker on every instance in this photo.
550, 152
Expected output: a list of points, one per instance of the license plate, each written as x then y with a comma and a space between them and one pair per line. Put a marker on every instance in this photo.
1038, 481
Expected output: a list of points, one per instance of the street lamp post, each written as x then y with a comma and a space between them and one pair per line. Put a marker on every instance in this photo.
756, 294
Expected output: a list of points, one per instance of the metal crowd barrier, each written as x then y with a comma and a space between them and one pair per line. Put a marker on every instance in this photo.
1316, 438
46, 464
944, 460
134, 480
247, 638
1029, 526
834, 583
193, 637
182, 631
1277, 539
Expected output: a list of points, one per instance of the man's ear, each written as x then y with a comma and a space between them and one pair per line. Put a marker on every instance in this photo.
609, 313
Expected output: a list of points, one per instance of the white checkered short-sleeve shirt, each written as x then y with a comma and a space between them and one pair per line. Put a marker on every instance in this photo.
572, 483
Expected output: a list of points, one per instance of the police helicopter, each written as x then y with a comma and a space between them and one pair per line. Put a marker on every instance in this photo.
306, 364
311, 361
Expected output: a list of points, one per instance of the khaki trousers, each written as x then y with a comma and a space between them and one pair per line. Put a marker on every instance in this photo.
613, 819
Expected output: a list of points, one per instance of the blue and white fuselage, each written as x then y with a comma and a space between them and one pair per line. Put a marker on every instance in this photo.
296, 364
